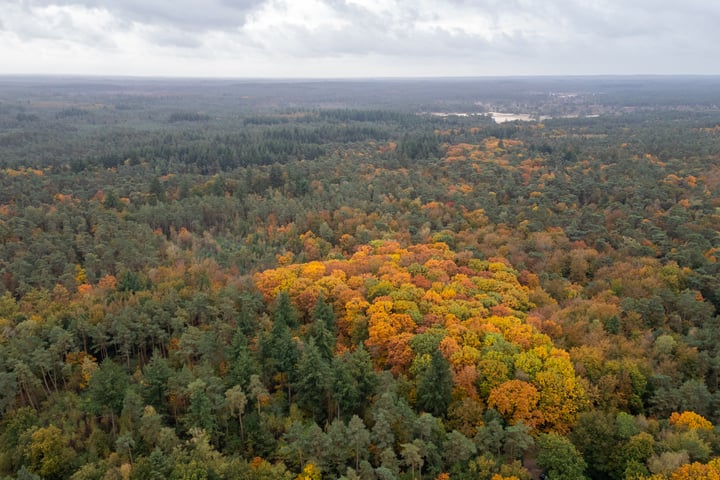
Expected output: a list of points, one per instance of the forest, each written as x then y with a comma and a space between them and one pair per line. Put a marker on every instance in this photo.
220, 279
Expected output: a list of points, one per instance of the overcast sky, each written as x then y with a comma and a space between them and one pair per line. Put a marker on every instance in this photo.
359, 38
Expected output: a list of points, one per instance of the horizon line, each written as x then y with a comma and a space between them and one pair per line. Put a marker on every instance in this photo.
68, 76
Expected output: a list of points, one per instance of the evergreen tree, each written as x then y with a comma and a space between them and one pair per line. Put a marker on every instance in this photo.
313, 382
284, 313
155, 382
359, 438
284, 356
434, 389
345, 392
243, 364
153, 467
157, 191
323, 330
200, 414
106, 390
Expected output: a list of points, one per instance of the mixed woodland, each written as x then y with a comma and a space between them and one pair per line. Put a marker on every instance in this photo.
359, 280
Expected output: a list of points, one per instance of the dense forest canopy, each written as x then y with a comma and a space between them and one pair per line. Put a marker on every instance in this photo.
205, 279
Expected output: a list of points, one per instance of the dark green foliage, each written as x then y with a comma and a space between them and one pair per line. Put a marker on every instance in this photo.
106, 389
457, 450
353, 382
242, 362
157, 191
413, 148
434, 386
153, 467
280, 354
559, 458
250, 307
130, 282
187, 117
313, 382
594, 436
260, 440
155, 382
322, 330
284, 313
112, 202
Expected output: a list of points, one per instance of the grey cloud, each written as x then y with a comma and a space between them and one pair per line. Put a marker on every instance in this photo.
572, 36
301, 42
184, 14
175, 38
167, 23
655, 18
562, 36
59, 27
396, 33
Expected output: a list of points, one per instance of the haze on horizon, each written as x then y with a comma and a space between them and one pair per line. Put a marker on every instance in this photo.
358, 38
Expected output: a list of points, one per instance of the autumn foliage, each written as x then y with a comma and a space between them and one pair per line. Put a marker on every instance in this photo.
690, 420
392, 297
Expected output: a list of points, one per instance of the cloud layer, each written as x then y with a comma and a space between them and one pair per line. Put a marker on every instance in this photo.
347, 38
